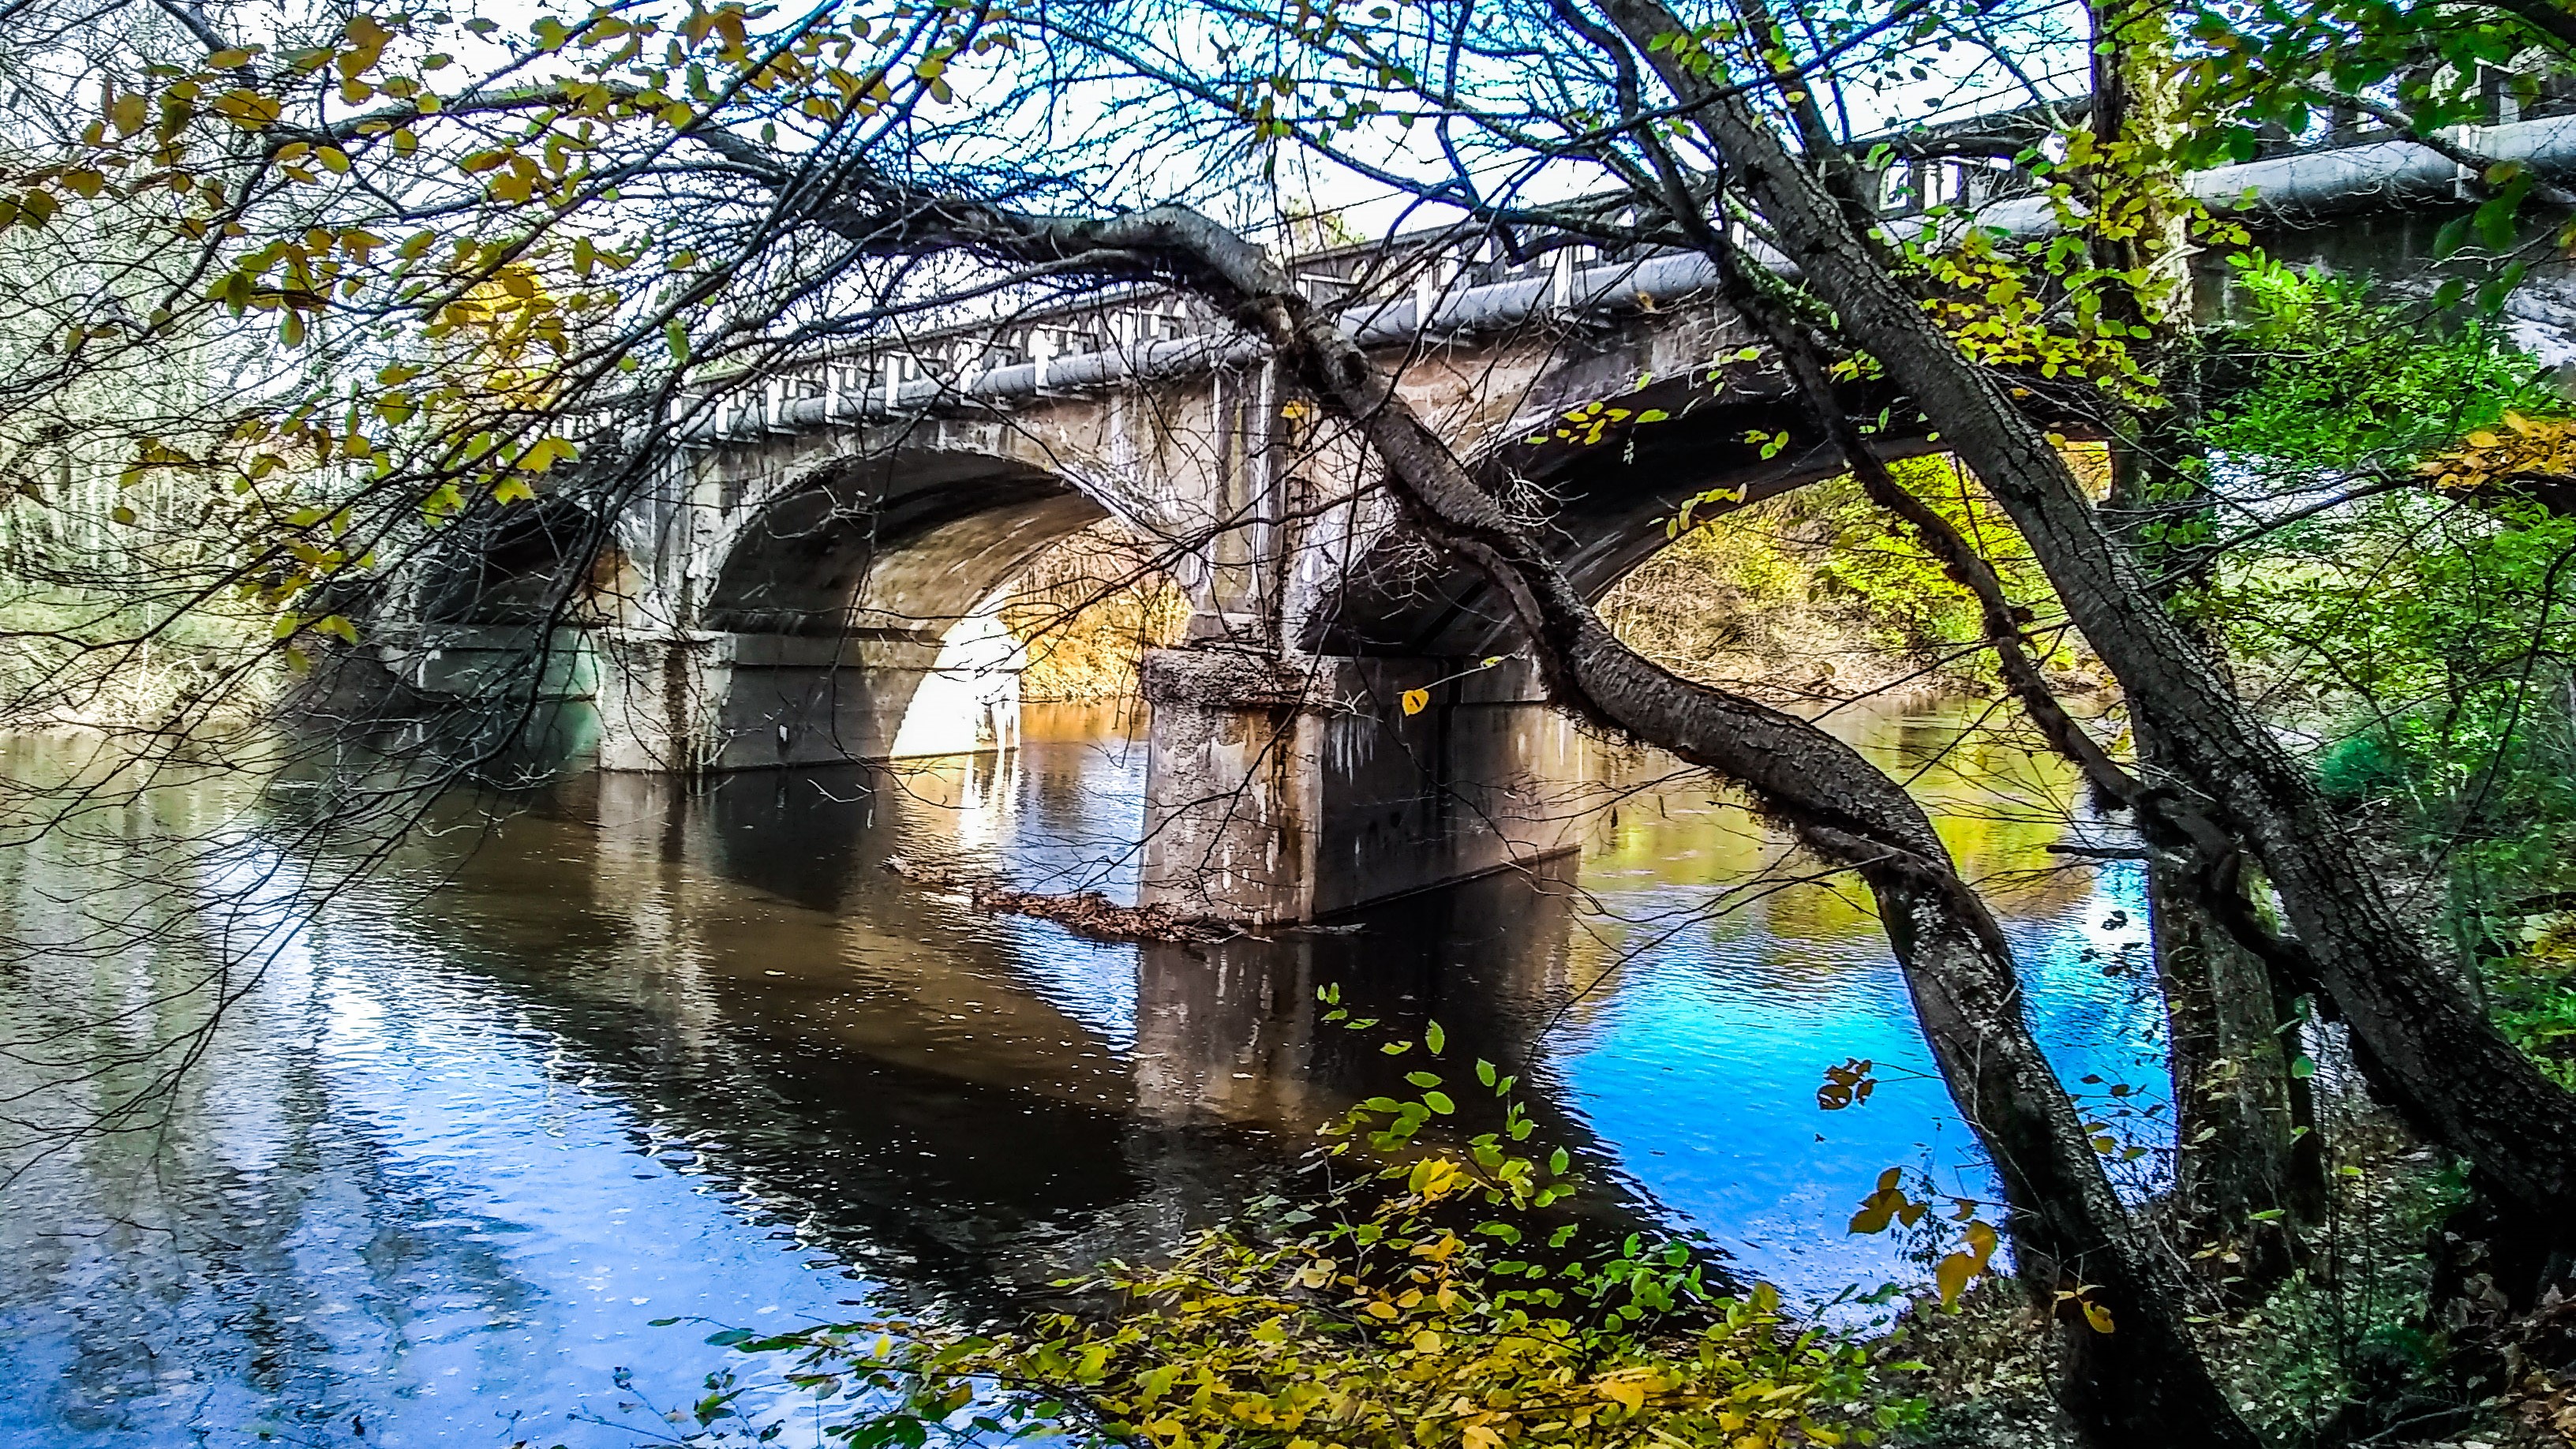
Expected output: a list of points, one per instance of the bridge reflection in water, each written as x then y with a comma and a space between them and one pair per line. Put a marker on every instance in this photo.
662, 1046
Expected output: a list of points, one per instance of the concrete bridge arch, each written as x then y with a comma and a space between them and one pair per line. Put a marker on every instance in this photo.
503, 602
835, 597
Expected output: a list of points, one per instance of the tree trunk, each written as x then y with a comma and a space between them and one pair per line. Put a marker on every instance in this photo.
2247, 1178
2142, 1384
2427, 1047
2249, 1172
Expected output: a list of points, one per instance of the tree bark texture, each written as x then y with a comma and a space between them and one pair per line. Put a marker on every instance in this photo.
2426, 1046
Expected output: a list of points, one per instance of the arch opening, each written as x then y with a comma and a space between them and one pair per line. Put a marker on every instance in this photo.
1817, 596
532, 562
863, 608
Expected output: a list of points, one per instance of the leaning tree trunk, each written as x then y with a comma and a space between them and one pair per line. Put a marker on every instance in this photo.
2240, 1158
2142, 1384
2426, 1046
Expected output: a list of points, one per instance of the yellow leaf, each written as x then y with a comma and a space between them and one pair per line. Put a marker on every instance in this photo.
247, 108
1416, 700
2098, 1315
1951, 1276
1628, 1394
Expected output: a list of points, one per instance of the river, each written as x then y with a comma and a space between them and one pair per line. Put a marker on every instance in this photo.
443, 1149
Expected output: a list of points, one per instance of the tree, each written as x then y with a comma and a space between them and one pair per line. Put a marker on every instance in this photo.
537, 279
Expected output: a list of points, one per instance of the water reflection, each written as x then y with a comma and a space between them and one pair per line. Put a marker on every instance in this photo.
652, 1049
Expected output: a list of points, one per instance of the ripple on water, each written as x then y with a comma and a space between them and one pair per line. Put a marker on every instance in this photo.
651, 1053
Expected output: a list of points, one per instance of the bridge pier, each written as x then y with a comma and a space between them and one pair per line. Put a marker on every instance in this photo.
1286, 791
553, 665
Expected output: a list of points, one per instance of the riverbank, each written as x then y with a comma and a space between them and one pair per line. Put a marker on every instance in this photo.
1817, 598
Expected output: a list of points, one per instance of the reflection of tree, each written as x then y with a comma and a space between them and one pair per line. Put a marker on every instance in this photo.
1999, 800
230, 1245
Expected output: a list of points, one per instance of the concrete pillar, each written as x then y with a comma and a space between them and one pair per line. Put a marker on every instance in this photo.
661, 695
527, 690
1289, 791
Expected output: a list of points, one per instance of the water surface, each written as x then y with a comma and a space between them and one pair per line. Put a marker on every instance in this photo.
648, 1049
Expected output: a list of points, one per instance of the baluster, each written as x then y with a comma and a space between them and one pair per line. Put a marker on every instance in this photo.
1042, 343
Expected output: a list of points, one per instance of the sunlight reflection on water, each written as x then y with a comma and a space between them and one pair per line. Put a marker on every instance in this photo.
650, 1051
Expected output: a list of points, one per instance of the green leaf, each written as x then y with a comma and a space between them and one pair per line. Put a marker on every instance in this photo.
1434, 1038
2495, 218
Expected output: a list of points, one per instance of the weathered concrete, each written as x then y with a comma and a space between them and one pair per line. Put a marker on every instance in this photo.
1285, 790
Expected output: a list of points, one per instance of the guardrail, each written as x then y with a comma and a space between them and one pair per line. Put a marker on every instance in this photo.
1451, 286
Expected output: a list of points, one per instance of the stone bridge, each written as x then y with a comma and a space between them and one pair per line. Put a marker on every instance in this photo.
813, 575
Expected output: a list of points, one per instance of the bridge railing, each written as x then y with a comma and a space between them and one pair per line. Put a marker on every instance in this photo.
1458, 281
1412, 283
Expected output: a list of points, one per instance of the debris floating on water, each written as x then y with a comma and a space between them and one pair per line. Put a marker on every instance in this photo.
1087, 913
